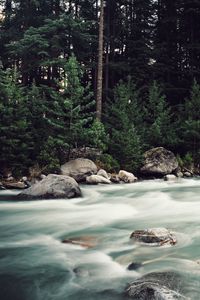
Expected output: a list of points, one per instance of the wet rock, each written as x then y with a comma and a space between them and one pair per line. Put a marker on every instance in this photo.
127, 177
103, 173
170, 177
179, 174
10, 179
156, 286
84, 241
159, 162
187, 174
15, 185
42, 176
81, 272
79, 169
114, 178
52, 187
134, 266
154, 236
95, 179
24, 179
1, 186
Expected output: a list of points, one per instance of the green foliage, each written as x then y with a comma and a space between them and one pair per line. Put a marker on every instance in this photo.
125, 143
97, 136
191, 122
107, 162
48, 158
15, 139
159, 126
187, 161
78, 103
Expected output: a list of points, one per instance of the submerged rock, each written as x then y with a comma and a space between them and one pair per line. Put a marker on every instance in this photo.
134, 266
159, 162
84, 241
95, 179
79, 169
154, 236
81, 272
52, 187
156, 286
127, 177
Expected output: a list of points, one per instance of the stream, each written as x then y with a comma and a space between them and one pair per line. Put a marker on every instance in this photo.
36, 265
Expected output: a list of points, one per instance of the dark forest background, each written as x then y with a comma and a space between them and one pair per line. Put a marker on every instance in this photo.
48, 81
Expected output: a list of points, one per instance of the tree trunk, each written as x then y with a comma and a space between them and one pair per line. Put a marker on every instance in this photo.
100, 65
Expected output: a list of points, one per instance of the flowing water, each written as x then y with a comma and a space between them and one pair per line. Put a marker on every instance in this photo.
36, 265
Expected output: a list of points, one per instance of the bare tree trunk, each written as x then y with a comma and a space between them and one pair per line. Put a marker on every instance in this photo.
100, 65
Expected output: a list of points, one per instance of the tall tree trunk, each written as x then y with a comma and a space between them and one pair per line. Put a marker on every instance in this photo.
100, 65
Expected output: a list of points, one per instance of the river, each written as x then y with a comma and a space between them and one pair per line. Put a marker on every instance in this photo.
36, 265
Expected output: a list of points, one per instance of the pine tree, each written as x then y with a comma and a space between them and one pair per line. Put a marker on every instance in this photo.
124, 114
15, 140
159, 127
191, 122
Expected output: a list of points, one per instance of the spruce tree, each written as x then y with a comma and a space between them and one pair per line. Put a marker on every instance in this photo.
15, 139
159, 127
124, 114
191, 122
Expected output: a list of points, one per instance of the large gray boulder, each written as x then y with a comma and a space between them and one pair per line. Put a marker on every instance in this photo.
79, 169
52, 187
159, 162
156, 286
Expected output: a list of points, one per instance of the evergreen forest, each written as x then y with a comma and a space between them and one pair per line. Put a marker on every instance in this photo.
119, 76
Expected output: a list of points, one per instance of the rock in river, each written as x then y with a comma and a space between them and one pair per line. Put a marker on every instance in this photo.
170, 177
127, 177
159, 162
83, 241
79, 169
95, 179
156, 286
154, 236
52, 187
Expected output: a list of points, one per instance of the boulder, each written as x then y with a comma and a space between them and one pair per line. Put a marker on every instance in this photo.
95, 179
179, 174
114, 178
154, 236
127, 177
103, 173
42, 176
15, 185
52, 187
83, 241
159, 162
79, 169
24, 178
156, 286
1, 186
170, 177
187, 174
